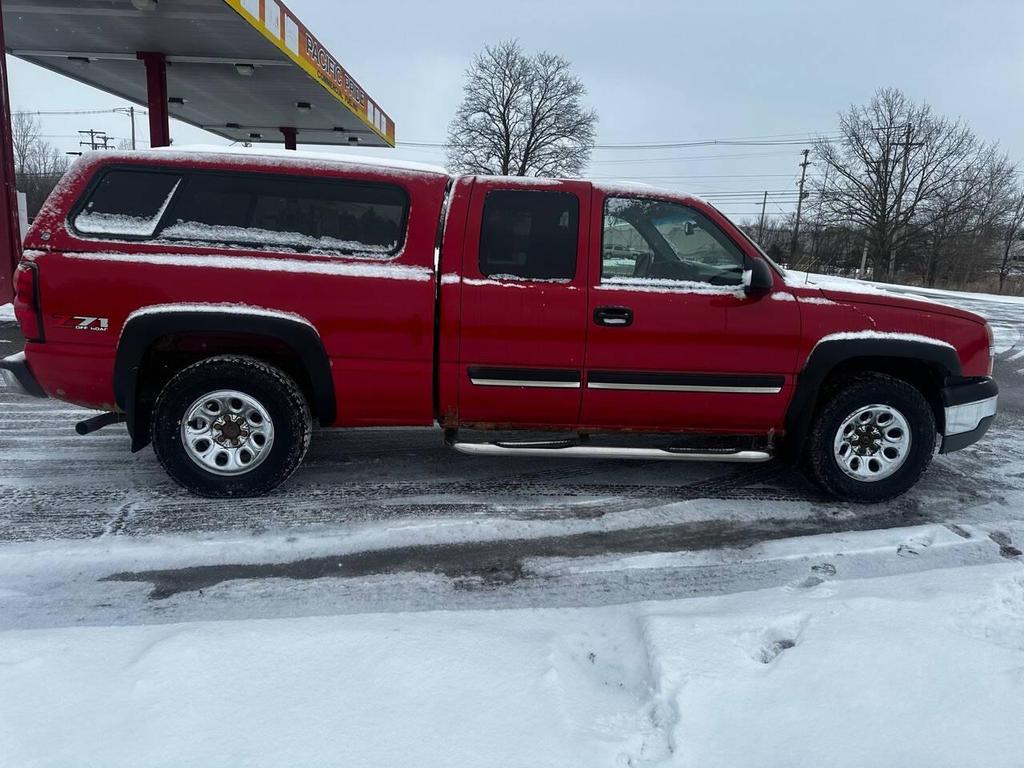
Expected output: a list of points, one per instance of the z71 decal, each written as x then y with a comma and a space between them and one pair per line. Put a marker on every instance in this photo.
82, 322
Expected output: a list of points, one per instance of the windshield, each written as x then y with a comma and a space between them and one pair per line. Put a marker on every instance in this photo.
778, 267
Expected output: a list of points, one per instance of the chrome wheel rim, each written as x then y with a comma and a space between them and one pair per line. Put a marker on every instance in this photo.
227, 432
872, 443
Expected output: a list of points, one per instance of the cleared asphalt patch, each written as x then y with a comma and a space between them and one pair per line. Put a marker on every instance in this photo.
501, 562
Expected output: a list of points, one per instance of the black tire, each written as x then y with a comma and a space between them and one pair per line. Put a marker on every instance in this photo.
272, 388
861, 391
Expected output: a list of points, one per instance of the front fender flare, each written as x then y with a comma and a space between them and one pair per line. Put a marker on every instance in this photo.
829, 353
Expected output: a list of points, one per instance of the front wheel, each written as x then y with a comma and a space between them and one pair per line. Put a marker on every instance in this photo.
230, 426
872, 440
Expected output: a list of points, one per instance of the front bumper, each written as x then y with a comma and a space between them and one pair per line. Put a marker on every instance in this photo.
969, 409
14, 371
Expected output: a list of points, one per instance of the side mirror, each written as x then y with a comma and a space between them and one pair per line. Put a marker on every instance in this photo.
757, 280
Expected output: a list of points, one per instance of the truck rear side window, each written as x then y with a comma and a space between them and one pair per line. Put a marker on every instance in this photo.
127, 203
284, 213
529, 235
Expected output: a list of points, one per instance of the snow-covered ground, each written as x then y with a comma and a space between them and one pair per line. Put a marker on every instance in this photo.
400, 604
918, 670
6, 313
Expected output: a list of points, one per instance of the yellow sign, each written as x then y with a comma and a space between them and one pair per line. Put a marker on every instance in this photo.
280, 26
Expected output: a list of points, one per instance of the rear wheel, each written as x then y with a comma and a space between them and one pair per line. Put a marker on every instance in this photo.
872, 440
230, 426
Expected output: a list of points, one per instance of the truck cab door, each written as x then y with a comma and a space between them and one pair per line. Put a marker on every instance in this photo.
675, 343
524, 303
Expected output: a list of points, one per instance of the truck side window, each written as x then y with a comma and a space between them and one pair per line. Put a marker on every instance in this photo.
647, 239
282, 213
126, 203
529, 235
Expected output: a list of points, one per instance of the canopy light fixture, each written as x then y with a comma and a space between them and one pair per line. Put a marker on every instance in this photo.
80, 60
303, 106
255, 135
339, 129
176, 100
245, 70
145, 5
353, 139
233, 126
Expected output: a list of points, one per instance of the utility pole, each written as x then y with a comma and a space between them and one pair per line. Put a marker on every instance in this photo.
130, 112
96, 140
795, 246
906, 144
863, 261
760, 227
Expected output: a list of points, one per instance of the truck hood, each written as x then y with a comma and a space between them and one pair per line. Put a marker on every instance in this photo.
853, 292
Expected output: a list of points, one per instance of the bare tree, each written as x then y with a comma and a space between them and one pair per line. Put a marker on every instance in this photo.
1012, 241
961, 222
25, 139
521, 116
894, 156
38, 165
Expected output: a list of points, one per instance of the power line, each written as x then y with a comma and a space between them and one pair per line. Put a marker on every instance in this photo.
680, 144
680, 158
707, 176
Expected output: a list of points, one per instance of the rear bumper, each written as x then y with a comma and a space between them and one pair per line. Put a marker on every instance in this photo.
969, 409
15, 372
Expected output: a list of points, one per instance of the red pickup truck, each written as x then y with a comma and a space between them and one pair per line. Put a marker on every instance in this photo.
219, 302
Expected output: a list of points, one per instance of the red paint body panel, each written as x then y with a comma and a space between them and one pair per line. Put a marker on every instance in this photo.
377, 328
521, 324
684, 331
402, 333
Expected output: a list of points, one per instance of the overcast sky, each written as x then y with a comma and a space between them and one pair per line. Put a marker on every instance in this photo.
655, 71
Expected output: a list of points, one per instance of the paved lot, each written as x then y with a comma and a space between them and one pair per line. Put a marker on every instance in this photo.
487, 523
59, 485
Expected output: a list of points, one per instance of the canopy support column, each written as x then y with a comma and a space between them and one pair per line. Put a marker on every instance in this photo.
291, 138
156, 91
10, 236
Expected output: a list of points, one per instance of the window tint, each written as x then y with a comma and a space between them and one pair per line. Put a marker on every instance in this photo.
659, 240
283, 213
529, 235
127, 203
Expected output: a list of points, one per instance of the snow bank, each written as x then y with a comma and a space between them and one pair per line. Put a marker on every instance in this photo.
940, 292
917, 670
6, 313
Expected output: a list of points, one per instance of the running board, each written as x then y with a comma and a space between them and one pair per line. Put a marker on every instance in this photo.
567, 449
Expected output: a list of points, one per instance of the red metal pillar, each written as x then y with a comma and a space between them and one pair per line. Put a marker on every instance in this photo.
156, 91
10, 237
291, 138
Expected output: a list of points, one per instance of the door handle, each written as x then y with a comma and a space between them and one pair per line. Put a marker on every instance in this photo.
616, 317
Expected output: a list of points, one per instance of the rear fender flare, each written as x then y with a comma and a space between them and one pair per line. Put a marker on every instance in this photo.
143, 328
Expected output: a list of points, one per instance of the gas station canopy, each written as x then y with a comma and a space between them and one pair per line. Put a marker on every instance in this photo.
246, 70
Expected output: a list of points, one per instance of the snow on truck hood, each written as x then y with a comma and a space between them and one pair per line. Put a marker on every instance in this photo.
845, 289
